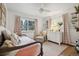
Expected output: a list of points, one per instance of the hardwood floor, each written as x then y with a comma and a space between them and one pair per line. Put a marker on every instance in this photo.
70, 51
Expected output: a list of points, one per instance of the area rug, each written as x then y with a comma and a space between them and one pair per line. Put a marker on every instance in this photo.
49, 49
53, 49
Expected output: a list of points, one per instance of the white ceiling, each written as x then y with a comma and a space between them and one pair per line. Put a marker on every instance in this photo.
33, 8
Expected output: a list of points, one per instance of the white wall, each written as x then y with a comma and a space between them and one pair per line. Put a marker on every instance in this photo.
11, 20
40, 25
73, 34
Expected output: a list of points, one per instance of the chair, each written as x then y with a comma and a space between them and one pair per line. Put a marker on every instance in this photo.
77, 46
41, 37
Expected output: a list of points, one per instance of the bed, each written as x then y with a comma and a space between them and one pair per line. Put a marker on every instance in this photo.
25, 47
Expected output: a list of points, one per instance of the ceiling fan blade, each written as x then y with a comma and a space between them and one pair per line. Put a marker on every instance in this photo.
46, 10
43, 10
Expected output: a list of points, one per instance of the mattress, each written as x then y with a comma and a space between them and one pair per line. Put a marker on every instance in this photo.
31, 50
25, 40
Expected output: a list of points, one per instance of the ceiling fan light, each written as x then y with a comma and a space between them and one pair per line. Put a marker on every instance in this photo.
41, 9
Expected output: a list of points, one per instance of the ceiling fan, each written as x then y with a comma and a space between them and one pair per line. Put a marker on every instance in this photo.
43, 9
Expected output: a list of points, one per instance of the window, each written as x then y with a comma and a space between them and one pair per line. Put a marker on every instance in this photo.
31, 25
27, 24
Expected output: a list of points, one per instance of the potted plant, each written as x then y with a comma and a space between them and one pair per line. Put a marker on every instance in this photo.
77, 9
77, 13
60, 23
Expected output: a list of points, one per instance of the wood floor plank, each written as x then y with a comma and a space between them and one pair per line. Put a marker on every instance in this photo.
70, 51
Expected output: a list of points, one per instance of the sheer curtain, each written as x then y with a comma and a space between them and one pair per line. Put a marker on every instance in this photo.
36, 26
66, 34
17, 27
78, 20
49, 23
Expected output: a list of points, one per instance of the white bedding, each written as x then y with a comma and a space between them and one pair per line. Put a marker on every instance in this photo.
25, 40
22, 41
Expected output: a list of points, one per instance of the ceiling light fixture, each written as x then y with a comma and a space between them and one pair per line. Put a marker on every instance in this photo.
43, 9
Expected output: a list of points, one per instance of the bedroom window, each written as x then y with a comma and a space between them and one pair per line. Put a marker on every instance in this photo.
27, 24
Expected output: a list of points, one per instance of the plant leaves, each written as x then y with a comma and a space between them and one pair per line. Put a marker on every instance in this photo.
77, 9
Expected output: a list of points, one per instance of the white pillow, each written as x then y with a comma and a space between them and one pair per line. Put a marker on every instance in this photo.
8, 34
2, 28
15, 39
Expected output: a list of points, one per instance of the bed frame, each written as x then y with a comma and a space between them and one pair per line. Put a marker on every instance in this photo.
9, 49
